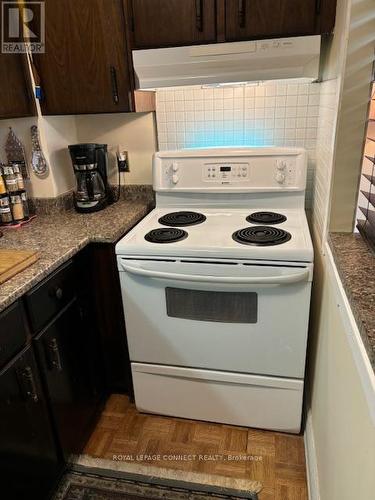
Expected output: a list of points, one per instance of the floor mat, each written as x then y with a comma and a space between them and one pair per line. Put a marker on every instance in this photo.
193, 480
81, 486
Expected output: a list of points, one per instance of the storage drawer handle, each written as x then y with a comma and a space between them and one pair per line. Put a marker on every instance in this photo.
53, 354
283, 279
242, 13
199, 15
114, 85
28, 385
58, 293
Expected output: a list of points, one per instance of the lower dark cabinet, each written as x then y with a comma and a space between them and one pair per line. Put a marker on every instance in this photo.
52, 390
67, 352
29, 463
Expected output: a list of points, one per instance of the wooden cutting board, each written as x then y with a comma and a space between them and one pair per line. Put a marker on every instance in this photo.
14, 261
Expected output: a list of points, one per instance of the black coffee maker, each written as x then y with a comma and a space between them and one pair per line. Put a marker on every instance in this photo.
90, 169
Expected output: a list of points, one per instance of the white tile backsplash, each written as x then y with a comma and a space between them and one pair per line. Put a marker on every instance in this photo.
279, 114
325, 144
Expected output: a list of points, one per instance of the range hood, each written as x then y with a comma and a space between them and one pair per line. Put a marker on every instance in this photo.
281, 58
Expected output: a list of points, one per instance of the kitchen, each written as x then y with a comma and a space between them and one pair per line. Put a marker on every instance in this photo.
197, 178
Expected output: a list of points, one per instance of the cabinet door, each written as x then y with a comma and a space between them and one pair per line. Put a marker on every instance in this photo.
65, 354
16, 98
161, 23
84, 68
247, 19
28, 455
108, 314
13, 331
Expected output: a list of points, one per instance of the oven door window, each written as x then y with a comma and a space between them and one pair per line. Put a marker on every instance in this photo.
223, 307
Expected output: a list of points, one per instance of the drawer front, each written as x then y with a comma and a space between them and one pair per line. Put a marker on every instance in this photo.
13, 333
229, 398
51, 296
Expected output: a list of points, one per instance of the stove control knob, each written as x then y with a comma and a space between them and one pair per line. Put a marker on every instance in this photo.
281, 165
280, 177
175, 178
175, 166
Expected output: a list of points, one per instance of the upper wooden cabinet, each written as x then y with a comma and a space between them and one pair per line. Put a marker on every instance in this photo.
84, 68
160, 23
16, 99
266, 18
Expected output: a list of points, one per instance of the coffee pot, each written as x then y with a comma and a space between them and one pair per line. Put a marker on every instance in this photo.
90, 169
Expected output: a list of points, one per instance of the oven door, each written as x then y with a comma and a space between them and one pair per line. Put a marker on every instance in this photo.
232, 316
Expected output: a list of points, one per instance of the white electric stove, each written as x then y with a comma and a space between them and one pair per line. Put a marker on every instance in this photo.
216, 285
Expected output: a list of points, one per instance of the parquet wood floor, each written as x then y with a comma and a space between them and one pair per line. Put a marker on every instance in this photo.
122, 430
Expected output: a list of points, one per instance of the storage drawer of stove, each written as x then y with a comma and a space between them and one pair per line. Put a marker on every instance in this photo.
229, 398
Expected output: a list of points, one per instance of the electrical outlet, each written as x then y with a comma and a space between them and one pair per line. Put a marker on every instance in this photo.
123, 161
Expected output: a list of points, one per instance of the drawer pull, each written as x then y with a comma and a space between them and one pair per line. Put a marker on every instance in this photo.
28, 385
58, 293
53, 355
115, 95
242, 13
199, 15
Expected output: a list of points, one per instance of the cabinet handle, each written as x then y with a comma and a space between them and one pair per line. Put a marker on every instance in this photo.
26, 378
53, 355
199, 15
56, 293
114, 85
131, 16
242, 13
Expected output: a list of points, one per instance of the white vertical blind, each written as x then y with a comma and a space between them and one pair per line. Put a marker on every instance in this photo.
366, 199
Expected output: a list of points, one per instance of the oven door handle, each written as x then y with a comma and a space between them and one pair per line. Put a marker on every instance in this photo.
251, 280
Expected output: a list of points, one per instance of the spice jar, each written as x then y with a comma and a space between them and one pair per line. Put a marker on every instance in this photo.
22, 166
18, 176
10, 179
5, 212
16, 206
3, 189
25, 204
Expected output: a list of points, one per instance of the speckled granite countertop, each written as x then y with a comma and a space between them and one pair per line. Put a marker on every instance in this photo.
356, 266
60, 235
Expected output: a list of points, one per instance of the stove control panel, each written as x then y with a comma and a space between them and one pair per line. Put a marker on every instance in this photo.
226, 173
238, 170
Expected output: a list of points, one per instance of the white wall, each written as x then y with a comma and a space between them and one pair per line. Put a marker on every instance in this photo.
342, 427
58, 133
21, 126
357, 75
135, 132
332, 68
